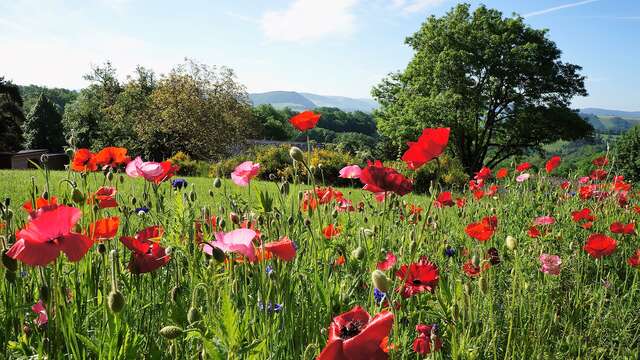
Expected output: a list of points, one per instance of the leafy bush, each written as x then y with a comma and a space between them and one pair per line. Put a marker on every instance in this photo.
189, 167
627, 150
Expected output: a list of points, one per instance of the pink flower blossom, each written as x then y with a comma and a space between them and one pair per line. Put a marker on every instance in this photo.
550, 264
146, 169
544, 220
350, 172
584, 180
237, 241
244, 172
523, 177
39, 309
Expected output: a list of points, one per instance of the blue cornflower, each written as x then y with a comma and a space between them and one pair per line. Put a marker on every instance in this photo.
270, 308
142, 210
379, 296
269, 270
179, 184
449, 251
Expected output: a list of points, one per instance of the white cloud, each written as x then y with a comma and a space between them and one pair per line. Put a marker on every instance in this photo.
306, 20
556, 8
413, 6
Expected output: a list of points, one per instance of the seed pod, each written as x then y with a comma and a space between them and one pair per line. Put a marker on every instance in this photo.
307, 222
110, 175
511, 243
234, 218
8, 262
121, 179
193, 315
45, 195
174, 293
171, 332
380, 280
115, 301
211, 193
192, 196
217, 183
134, 200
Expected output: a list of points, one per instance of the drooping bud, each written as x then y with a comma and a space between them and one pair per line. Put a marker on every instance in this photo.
115, 301
77, 196
358, 253
171, 332
234, 218
380, 280
217, 183
511, 243
296, 154
193, 315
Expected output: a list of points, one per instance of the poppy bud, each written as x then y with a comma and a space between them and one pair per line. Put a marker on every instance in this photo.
380, 281
475, 260
193, 315
296, 154
77, 196
134, 200
45, 195
511, 243
110, 175
121, 179
290, 220
218, 254
70, 153
366, 219
211, 193
217, 183
192, 196
10, 276
115, 301
44, 293
284, 188
234, 218
334, 213
171, 332
300, 195
222, 223
358, 253
368, 232
26, 329
174, 293
8, 262
8, 214
307, 222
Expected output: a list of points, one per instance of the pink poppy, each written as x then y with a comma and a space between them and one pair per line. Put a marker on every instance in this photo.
146, 169
388, 262
350, 172
40, 310
544, 220
584, 180
44, 237
550, 264
237, 241
244, 172
523, 177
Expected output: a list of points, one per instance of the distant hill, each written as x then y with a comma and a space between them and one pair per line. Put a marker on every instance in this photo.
608, 112
302, 101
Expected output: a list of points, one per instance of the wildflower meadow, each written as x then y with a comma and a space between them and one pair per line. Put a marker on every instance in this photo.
118, 258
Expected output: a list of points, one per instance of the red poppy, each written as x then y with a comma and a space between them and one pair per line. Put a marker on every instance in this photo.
304, 121
565, 185
105, 196
478, 194
40, 203
389, 261
44, 237
586, 192
583, 218
619, 184
460, 202
483, 174
377, 178
356, 335
598, 174
112, 156
552, 163
340, 260
429, 146
146, 253
283, 249
104, 229
476, 184
444, 199
472, 270
83, 160
599, 245
493, 189
620, 228
602, 161
418, 277
330, 231
168, 171
523, 167
634, 260
502, 173
483, 230
426, 338
533, 232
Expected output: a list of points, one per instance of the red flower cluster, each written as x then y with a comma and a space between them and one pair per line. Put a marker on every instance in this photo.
377, 178
146, 253
418, 277
84, 160
429, 146
483, 230
583, 218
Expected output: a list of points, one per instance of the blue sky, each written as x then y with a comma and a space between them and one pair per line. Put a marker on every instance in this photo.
331, 47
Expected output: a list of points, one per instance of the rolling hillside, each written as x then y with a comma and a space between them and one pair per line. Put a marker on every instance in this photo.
303, 101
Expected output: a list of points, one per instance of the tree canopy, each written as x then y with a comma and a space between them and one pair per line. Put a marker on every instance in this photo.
43, 127
499, 84
11, 116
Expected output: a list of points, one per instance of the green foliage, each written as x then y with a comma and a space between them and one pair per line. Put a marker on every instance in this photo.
497, 83
60, 97
357, 144
11, 117
43, 127
188, 166
274, 123
627, 154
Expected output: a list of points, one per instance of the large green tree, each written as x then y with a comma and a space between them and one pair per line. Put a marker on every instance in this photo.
499, 84
43, 127
11, 116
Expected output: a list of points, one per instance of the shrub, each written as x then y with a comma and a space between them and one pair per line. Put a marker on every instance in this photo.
627, 150
189, 167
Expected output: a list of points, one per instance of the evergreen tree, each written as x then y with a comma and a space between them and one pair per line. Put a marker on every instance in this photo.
43, 126
11, 116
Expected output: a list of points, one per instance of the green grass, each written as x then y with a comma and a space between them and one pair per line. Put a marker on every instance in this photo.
511, 311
